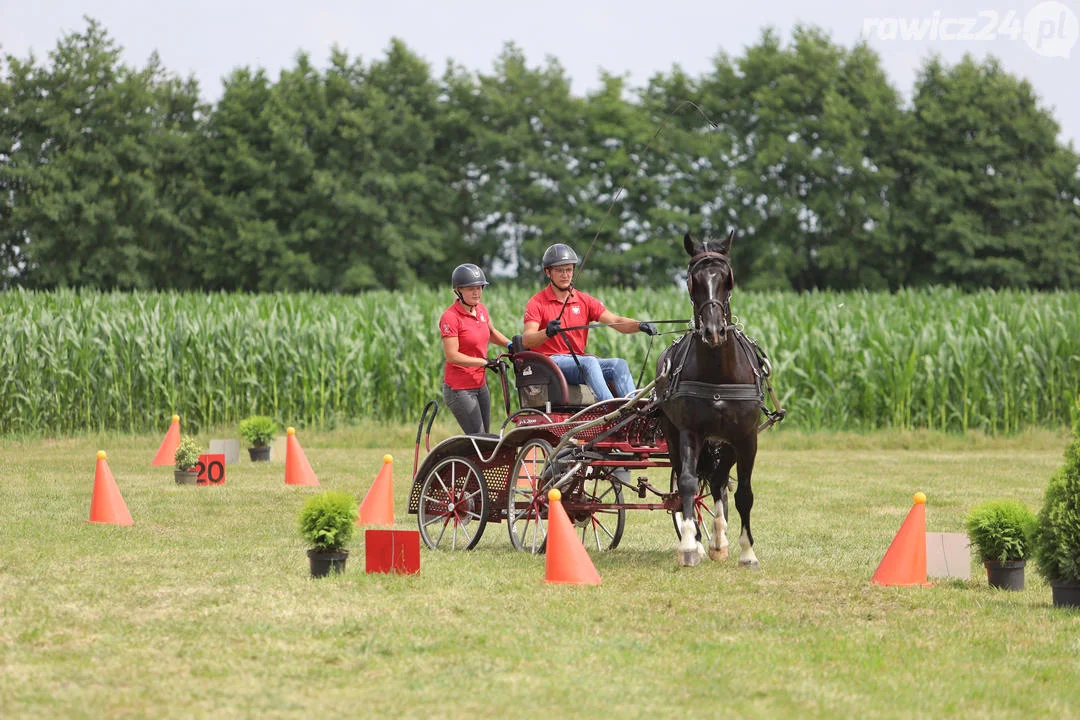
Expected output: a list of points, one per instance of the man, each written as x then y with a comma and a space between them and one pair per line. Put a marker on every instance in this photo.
561, 304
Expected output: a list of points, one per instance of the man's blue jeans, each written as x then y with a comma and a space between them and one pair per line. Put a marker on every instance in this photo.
597, 372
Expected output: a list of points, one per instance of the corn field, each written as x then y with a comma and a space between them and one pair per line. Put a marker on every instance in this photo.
72, 362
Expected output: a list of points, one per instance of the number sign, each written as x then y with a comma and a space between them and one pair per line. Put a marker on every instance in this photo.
211, 469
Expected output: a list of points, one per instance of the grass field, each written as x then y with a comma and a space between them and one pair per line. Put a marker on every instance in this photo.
204, 607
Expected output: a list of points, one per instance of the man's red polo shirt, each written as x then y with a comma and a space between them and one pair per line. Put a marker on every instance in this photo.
581, 309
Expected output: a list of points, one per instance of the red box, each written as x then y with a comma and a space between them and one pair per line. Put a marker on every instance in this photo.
392, 551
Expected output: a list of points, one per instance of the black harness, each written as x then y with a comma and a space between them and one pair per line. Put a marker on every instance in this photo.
714, 392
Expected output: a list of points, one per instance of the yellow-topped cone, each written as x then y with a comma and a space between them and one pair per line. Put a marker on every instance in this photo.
378, 505
107, 504
297, 468
567, 562
905, 560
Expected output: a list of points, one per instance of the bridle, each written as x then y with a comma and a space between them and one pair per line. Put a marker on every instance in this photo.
696, 262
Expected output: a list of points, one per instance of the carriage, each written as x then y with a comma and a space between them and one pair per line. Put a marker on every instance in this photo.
558, 438
700, 416
593, 452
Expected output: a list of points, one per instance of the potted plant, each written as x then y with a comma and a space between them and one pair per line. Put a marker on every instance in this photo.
258, 431
327, 521
1001, 532
1057, 533
187, 457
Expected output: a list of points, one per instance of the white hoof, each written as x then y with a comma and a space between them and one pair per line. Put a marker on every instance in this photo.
747, 558
689, 558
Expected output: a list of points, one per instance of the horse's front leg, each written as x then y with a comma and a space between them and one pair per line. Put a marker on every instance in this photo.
690, 550
718, 487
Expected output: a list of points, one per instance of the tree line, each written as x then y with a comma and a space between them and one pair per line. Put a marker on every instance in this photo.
383, 174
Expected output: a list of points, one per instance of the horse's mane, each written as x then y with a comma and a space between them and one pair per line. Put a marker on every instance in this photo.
710, 245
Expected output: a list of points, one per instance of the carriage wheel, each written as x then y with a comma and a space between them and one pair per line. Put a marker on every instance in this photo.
526, 511
598, 529
453, 505
703, 509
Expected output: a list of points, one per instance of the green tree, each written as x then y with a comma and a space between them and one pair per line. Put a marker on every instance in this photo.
410, 223
241, 246
646, 157
987, 196
519, 130
332, 182
88, 141
810, 127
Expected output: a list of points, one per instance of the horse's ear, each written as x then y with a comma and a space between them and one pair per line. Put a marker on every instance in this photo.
688, 243
725, 244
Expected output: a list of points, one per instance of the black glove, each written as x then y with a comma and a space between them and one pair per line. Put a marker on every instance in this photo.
493, 364
553, 328
648, 328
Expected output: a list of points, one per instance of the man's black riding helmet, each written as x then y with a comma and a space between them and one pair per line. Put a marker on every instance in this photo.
559, 254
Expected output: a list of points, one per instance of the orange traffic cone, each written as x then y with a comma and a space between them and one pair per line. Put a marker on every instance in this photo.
378, 505
107, 505
905, 560
167, 452
567, 561
297, 468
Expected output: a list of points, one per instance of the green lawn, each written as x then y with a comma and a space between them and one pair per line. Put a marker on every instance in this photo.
204, 607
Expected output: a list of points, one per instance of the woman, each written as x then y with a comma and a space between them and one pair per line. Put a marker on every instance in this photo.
466, 330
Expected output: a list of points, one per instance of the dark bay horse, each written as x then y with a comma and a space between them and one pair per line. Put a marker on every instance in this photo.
709, 384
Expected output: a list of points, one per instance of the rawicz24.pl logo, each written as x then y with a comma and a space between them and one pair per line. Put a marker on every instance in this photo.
1049, 28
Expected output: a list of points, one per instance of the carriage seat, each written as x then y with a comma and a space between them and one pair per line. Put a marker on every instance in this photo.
540, 381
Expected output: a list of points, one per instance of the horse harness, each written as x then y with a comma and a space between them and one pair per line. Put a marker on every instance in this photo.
717, 393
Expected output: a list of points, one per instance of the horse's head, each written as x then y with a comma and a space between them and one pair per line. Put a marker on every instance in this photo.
710, 281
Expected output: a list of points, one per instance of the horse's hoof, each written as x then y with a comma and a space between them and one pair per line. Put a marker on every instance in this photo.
749, 564
689, 558
718, 554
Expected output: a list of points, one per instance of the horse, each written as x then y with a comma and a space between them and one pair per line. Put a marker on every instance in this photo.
709, 385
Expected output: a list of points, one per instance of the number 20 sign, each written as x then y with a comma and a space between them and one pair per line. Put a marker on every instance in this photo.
211, 469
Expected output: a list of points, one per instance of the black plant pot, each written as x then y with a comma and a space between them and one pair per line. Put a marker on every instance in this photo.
260, 453
185, 477
1008, 575
1066, 593
322, 563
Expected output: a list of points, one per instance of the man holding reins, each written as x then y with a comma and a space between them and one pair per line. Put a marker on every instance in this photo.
561, 304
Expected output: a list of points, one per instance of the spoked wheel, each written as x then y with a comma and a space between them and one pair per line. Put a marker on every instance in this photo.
703, 509
599, 529
453, 505
527, 503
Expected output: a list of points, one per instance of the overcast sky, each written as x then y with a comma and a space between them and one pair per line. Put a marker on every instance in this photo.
1035, 40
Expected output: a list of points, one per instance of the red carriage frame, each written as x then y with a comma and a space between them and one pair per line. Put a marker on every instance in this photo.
588, 451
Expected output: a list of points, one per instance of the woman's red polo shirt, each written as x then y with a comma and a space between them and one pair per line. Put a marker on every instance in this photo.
473, 336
